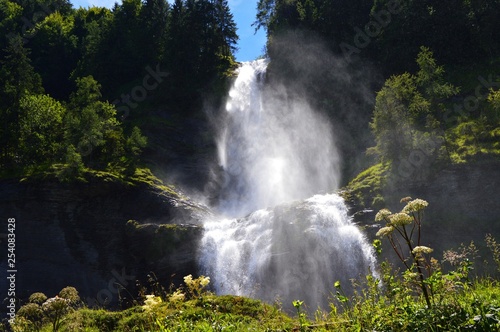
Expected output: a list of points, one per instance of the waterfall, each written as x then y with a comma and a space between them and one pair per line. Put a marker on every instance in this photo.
276, 237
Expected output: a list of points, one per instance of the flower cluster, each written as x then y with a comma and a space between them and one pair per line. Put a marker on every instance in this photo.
398, 222
55, 304
37, 298
195, 286
151, 302
382, 215
422, 250
415, 206
188, 280
384, 231
40, 309
400, 219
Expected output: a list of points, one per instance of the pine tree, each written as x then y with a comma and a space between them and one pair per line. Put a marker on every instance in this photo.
17, 79
154, 23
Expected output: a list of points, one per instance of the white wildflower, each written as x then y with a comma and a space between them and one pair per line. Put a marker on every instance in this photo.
400, 219
151, 301
422, 250
415, 205
188, 280
382, 214
55, 304
385, 231
204, 281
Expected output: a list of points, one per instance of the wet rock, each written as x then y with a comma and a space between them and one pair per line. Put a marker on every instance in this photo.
77, 234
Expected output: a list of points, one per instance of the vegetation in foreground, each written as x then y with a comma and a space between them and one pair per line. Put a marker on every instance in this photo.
423, 295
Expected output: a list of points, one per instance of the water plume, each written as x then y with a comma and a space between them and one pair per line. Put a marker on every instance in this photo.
274, 147
275, 237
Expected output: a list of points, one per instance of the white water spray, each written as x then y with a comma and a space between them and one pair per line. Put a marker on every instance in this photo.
276, 150
273, 147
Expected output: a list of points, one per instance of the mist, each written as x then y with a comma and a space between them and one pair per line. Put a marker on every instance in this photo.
277, 233
274, 147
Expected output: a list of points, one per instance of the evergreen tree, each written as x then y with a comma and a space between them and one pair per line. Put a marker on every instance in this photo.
54, 53
92, 27
91, 125
17, 79
10, 18
227, 35
154, 23
93, 129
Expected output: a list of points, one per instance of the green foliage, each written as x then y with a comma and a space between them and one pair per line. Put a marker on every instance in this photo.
93, 128
200, 46
40, 310
17, 79
41, 129
459, 32
390, 32
473, 309
494, 247
478, 136
137, 52
37, 298
73, 165
405, 301
201, 311
54, 53
17, 74
408, 109
334, 21
369, 183
297, 304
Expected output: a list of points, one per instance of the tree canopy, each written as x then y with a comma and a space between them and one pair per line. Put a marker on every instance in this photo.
61, 67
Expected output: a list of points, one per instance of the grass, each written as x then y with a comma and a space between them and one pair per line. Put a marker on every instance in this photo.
368, 185
206, 313
474, 307
393, 303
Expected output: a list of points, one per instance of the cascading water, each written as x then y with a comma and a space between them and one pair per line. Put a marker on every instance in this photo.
270, 241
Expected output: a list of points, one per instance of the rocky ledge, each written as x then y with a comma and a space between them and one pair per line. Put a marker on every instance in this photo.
100, 235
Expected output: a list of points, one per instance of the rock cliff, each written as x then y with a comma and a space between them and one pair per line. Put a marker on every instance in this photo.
99, 236
464, 206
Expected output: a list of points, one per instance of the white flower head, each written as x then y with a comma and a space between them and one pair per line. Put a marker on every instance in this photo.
422, 250
188, 280
151, 301
385, 231
382, 214
400, 219
204, 281
415, 205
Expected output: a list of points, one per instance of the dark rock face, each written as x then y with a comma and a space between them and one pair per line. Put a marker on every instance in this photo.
464, 206
79, 235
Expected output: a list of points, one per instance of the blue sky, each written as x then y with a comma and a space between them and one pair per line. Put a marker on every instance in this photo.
250, 44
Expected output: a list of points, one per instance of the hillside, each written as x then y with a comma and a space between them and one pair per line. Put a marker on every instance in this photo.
119, 144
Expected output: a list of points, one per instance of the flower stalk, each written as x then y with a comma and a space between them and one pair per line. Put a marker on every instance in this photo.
397, 227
